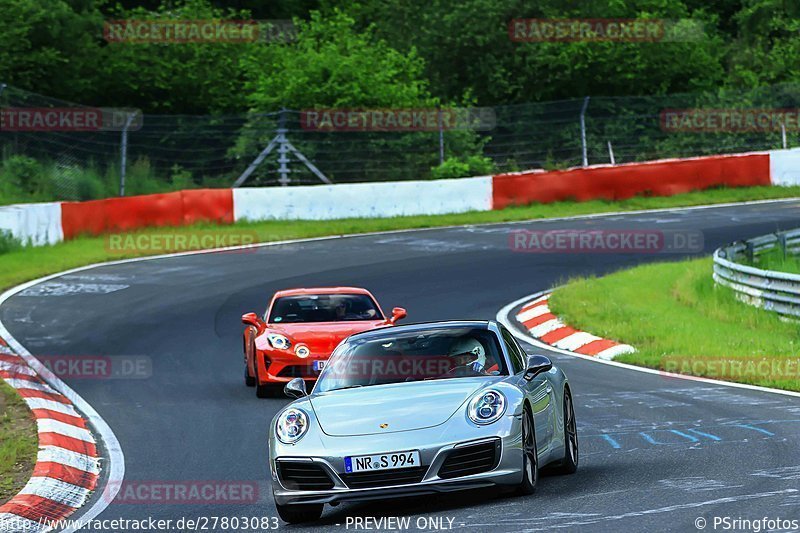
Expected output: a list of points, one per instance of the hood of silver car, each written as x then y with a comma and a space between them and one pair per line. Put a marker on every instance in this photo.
381, 409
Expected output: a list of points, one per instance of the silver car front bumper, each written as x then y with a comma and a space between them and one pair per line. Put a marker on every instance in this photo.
506, 472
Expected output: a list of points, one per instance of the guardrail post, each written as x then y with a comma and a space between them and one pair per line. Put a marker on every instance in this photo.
782, 242
748, 251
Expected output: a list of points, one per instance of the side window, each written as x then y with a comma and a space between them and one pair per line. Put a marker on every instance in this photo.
517, 357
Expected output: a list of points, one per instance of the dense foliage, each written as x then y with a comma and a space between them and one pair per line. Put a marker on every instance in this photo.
212, 107
378, 52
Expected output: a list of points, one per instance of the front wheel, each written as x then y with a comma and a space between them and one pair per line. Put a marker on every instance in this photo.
296, 514
263, 391
530, 458
569, 464
249, 380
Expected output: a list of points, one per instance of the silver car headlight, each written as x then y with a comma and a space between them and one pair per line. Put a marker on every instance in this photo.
292, 424
487, 407
279, 341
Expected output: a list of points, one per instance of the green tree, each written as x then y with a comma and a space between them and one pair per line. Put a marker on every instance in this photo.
50, 46
175, 78
466, 46
333, 64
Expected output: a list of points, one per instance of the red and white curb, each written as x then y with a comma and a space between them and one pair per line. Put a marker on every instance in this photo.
67, 465
546, 327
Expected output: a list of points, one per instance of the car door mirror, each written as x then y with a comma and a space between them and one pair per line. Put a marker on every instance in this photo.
536, 365
251, 319
398, 313
295, 388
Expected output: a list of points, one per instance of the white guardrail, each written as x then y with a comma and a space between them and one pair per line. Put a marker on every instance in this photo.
768, 289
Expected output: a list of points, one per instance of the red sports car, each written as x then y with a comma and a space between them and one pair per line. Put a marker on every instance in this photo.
300, 330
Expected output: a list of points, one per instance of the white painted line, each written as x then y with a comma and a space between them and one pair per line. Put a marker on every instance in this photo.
16, 368
50, 405
575, 341
533, 312
56, 490
503, 316
610, 353
30, 385
546, 327
48, 425
536, 301
54, 454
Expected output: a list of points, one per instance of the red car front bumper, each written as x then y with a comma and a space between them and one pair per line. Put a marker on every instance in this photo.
281, 366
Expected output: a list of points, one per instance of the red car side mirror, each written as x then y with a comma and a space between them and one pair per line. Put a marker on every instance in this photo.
398, 313
251, 319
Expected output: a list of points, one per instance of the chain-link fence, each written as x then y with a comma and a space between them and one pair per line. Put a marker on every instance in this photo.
164, 152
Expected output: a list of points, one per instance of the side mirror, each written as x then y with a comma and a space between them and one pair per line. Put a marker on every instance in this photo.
536, 365
295, 388
251, 319
398, 313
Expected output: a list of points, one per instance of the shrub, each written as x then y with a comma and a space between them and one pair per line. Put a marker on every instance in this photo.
453, 167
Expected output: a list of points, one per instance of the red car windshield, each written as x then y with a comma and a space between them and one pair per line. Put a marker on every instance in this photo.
324, 308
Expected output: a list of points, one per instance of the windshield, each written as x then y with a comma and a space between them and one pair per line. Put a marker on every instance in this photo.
324, 308
413, 356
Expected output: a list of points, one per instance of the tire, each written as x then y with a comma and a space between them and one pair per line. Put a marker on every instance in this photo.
569, 464
530, 458
296, 514
263, 391
249, 380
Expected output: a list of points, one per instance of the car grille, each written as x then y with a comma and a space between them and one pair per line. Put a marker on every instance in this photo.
471, 459
296, 475
384, 478
298, 371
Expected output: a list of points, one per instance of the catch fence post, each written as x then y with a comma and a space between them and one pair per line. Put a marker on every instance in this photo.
583, 131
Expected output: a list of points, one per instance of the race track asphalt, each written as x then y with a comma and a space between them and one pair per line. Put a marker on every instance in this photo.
657, 453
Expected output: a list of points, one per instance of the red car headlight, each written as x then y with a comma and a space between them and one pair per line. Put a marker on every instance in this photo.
278, 341
302, 351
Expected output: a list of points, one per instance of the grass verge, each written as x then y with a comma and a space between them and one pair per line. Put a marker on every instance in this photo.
680, 321
775, 259
18, 442
20, 265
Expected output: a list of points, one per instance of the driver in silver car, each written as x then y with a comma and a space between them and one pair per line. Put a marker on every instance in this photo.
469, 353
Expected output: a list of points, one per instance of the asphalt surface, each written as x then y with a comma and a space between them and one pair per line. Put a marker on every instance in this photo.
657, 453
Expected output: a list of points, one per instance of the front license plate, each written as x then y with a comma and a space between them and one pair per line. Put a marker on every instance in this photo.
319, 365
383, 461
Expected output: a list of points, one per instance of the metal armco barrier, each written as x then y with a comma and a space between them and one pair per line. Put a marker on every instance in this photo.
768, 289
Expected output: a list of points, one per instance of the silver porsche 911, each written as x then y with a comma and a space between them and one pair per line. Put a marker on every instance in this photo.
419, 409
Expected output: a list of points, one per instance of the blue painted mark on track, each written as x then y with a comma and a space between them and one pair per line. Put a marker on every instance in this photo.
648, 438
684, 435
760, 430
614, 444
704, 434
